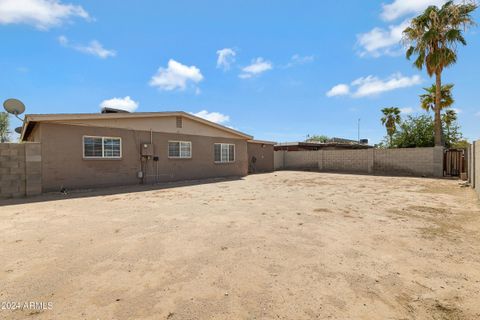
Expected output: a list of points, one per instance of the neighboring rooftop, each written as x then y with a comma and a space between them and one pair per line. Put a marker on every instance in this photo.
302, 146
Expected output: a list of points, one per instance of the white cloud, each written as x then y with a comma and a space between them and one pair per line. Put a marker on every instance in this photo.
94, 48
257, 67
386, 40
380, 41
126, 104
297, 59
401, 8
477, 114
63, 40
42, 14
339, 90
457, 110
175, 76
406, 110
372, 85
212, 116
225, 58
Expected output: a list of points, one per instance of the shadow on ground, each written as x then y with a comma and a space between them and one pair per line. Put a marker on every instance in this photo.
107, 191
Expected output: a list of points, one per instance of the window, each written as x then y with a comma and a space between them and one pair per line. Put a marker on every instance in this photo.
224, 152
102, 147
179, 149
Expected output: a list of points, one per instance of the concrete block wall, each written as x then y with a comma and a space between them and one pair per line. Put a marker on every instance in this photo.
471, 164
359, 161
20, 169
476, 166
302, 160
279, 160
409, 162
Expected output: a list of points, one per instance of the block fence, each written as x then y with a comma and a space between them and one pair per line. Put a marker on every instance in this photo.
20, 170
473, 156
420, 162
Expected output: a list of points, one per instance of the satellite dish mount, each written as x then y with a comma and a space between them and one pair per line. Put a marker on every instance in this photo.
15, 107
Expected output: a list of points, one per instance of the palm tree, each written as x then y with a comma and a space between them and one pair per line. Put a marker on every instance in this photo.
433, 37
391, 117
448, 118
427, 100
4, 133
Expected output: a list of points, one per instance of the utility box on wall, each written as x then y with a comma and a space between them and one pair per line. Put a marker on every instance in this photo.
147, 150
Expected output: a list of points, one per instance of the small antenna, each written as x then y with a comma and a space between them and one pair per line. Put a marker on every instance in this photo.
15, 107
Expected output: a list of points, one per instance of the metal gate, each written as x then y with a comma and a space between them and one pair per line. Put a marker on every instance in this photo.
453, 162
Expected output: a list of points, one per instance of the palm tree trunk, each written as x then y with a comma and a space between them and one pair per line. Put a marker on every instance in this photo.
448, 136
438, 119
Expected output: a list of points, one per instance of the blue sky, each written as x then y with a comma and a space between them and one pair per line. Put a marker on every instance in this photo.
278, 70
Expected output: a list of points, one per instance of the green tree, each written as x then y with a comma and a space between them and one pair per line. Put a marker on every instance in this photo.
448, 119
453, 136
461, 144
427, 100
433, 37
391, 117
415, 132
317, 138
4, 124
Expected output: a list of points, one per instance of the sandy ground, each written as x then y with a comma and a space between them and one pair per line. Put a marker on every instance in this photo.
285, 245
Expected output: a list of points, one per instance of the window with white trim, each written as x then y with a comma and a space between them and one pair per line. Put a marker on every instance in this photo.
179, 149
224, 152
102, 147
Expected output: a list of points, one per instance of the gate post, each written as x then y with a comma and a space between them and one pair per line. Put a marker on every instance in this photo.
438, 159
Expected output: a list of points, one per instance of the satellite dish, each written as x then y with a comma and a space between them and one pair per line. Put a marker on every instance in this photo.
18, 130
14, 106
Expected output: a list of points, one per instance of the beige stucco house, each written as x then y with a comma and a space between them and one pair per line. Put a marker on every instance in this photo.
105, 149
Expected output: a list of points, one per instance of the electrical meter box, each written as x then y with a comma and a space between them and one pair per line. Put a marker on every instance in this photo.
147, 150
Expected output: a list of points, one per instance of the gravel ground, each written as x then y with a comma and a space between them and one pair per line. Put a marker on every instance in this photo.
284, 245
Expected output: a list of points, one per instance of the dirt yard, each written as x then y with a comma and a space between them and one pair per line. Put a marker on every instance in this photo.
285, 245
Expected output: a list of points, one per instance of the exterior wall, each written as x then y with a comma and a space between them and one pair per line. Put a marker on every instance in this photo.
410, 162
477, 167
279, 160
264, 155
20, 169
35, 135
63, 163
468, 157
346, 160
166, 124
473, 165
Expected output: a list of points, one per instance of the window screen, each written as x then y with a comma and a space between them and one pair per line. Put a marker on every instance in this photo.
218, 152
102, 147
111, 147
224, 152
179, 149
231, 152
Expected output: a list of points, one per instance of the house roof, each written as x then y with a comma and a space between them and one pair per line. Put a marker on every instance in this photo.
31, 119
262, 142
